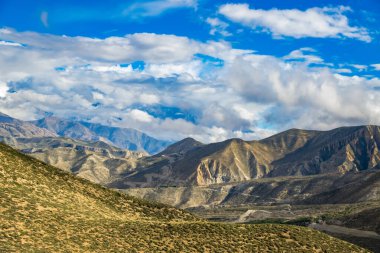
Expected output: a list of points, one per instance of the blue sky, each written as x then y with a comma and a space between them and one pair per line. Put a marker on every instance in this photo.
208, 69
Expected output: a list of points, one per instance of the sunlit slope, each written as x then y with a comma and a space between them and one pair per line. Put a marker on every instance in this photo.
43, 209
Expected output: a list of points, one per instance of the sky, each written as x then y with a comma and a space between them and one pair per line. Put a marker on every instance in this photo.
210, 70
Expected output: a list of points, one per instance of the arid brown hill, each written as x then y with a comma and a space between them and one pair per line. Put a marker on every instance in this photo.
291, 153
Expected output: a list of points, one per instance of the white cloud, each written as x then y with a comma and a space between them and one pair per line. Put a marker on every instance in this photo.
148, 47
218, 26
343, 70
305, 98
141, 9
359, 67
304, 54
314, 22
147, 98
3, 89
140, 116
376, 66
8, 43
140, 46
190, 69
112, 68
249, 96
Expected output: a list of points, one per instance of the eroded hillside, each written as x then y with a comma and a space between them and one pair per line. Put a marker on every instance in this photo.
290, 153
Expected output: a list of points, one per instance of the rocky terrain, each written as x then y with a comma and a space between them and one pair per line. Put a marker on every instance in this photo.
290, 153
46, 209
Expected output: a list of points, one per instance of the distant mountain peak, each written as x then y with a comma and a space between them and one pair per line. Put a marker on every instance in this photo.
11, 127
182, 146
189, 140
125, 138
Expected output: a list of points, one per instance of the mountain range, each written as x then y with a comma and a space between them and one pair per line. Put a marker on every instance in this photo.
44, 209
291, 153
11, 127
297, 155
291, 174
125, 138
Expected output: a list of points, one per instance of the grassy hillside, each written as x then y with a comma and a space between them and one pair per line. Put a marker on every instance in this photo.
43, 209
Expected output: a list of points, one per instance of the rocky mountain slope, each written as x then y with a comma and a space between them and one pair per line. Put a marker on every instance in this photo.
290, 153
47, 209
125, 138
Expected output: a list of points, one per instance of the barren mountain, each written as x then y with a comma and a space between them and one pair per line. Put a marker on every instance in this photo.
181, 147
290, 153
11, 127
125, 138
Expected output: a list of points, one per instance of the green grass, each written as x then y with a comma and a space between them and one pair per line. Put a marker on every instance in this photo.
43, 209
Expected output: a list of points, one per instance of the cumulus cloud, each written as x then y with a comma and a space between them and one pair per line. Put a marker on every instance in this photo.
327, 22
141, 46
141, 9
312, 99
248, 95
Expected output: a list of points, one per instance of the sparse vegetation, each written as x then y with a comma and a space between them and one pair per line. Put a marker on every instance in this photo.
43, 209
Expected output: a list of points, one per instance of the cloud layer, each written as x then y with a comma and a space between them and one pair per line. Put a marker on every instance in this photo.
173, 87
314, 22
